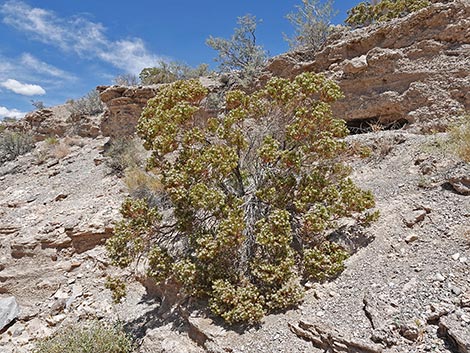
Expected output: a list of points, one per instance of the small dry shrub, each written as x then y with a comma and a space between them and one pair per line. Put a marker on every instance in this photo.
124, 153
460, 138
90, 104
14, 144
60, 150
143, 185
94, 337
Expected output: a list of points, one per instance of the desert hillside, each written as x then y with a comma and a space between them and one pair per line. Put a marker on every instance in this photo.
405, 286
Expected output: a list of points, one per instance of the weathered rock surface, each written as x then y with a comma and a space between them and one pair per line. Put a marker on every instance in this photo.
414, 69
9, 311
57, 122
125, 104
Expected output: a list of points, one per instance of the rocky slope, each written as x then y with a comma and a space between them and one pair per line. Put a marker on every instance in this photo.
406, 287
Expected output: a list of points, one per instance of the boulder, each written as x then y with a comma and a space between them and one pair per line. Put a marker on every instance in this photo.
9, 311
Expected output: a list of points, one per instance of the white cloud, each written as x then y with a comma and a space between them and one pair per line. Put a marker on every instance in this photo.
41, 67
79, 35
24, 89
11, 113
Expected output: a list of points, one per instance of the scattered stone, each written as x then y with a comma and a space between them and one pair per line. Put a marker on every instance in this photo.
9, 311
411, 238
460, 179
439, 277
455, 334
61, 197
329, 339
414, 217
410, 331
455, 256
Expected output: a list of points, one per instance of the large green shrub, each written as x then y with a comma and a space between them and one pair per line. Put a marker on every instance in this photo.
92, 338
240, 53
367, 13
253, 190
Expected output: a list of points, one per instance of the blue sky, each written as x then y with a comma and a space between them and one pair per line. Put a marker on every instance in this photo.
54, 50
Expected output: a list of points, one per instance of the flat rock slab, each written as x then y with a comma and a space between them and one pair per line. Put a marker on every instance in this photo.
9, 311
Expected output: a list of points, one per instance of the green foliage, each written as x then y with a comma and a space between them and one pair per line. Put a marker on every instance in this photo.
312, 22
324, 261
366, 13
168, 72
14, 144
254, 192
117, 287
240, 52
90, 104
94, 337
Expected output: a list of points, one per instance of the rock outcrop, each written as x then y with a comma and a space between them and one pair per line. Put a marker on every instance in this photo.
125, 104
57, 122
413, 69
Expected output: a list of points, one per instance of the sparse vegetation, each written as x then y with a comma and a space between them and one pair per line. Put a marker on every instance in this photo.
253, 192
240, 53
167, 72
367, 13
126, 80
124, 153
90, 104
312, 23
94, 337
14, 144
38, 104
460, 138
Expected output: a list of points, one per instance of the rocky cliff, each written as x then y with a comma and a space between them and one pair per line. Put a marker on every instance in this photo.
412, 70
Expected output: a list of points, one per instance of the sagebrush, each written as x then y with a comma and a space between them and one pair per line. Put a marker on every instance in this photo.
460, 138
253, 191
241, 53
167, 72
94, 337
14, 144
312, 23
90, 104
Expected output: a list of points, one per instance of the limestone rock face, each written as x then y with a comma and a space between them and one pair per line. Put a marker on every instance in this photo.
125, 104
415, 68
57, 121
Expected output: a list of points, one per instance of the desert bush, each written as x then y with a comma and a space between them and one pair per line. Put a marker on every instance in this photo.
240, 53
367, 13
38, 104
167, 72
144, 185
124, 153
460, 138
14, 144
90, 104
312, 23
126, 80
254, 191
94, 337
